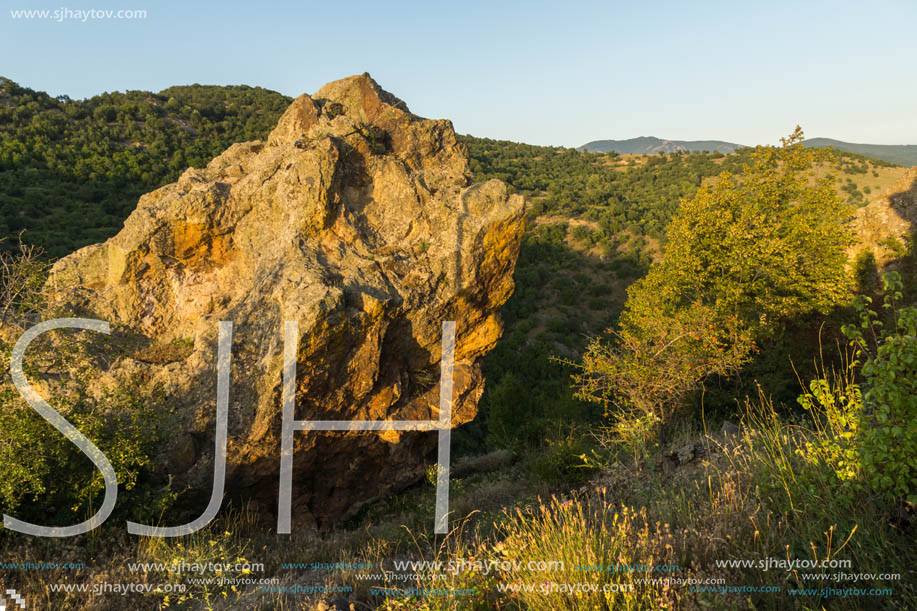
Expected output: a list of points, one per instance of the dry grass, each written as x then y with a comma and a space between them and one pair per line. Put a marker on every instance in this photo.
760, 495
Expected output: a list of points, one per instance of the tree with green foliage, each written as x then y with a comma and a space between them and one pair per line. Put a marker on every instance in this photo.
743, 257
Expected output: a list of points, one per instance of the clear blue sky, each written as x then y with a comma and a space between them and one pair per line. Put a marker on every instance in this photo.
538, 72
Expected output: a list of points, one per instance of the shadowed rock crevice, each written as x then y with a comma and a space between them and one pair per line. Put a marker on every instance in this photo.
356, 219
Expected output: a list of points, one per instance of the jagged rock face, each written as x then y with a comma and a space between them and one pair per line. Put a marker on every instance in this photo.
355, 218
894, 215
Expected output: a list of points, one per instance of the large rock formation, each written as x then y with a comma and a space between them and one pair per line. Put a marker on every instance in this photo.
355, 218
887, 220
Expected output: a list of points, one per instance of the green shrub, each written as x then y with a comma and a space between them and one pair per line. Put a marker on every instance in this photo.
887, 427
563, 462
875, 441
866, 273
46, 478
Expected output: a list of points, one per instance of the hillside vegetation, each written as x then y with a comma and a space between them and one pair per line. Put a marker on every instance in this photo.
72, 170
597, 222
690, 374
901, 154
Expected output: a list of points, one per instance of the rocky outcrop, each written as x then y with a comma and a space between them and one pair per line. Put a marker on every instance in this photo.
355, 218
888, 220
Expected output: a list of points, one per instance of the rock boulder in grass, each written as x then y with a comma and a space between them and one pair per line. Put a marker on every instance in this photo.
355, 218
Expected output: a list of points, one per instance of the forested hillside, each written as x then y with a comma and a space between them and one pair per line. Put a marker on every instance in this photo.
650, 145
597, 222
72, 170
904, 154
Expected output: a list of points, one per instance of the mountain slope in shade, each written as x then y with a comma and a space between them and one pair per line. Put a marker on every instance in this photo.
649, 145
902, 154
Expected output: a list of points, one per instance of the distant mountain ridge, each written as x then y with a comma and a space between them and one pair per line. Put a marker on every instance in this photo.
901, 154
649, 145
